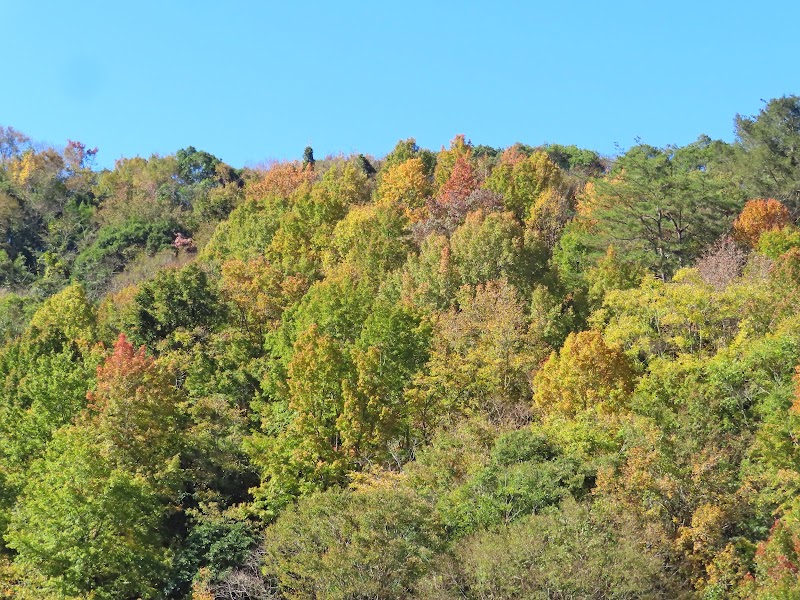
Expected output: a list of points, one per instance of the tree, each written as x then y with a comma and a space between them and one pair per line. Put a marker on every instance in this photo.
374, 543
366, 166
408, 149
339, 305
43, 379
196, 166
522, 180
247, 232
308, 157
13, 143
722, 263
372, 238
446, 213
15, 312
51, 392
586, 374
429, 280
661, 207
586, 163
134, 410
525, 474
91, 515
757, 217
316, 372
778, 241
404, 150
175, 300
405, 184
304, 231
480, 360
611, 273
260, 292
492, 246
770, 157
302, 450
139, 189
375, 420
462, 181
446, 160
116, 245
580, 551
65, 319
279, 180
776, 559
553, 318
85, 526
548, 215
686, 315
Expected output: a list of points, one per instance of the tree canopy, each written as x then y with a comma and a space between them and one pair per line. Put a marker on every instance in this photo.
478, 372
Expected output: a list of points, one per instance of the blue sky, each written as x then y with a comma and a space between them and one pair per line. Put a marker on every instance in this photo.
250, 81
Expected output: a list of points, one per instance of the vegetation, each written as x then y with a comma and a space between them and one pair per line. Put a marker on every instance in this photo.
477, 373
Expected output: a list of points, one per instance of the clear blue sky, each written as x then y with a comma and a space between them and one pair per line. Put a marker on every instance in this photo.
249, 81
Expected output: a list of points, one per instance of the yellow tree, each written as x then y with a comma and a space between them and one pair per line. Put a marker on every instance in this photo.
586, 374
480, 361
260, 292
405, 185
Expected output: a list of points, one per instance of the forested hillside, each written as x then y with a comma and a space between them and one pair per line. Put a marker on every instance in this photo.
473, 373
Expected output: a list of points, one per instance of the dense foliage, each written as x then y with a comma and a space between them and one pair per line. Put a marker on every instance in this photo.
476, 373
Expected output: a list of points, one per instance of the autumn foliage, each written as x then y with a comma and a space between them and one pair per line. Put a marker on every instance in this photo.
462, 181
280, 180
525, 372
586, 374
405, 184
757, 217
134, 408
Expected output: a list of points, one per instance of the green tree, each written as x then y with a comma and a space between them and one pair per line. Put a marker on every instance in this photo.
685, 315
374, 543
338, 305
579, 551
304, 231
174, 300
196, 166
308, 157
777, 242
392, 348
372, 238
525, 474
481, 357
116, 245
660, 207
770, 144
84, 526
494, 246
45, 374
247, 232
301, 449
430, 279
523, 182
